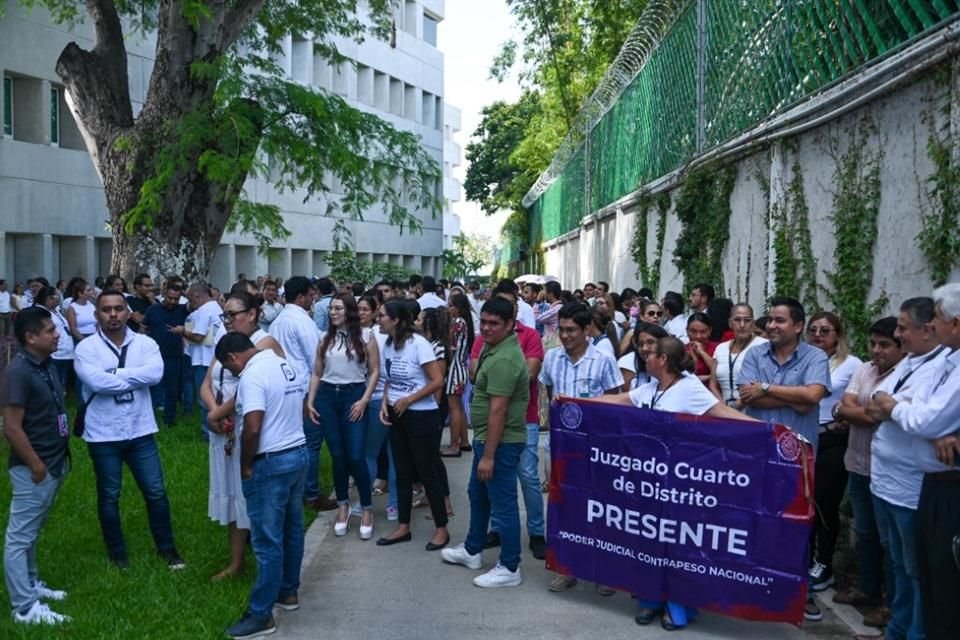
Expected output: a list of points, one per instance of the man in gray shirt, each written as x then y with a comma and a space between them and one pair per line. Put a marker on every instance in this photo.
785, 381
35, 425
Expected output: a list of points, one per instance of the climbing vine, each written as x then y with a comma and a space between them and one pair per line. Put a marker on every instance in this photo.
939, 236
856, 205
795, 268
703, 208
649, 272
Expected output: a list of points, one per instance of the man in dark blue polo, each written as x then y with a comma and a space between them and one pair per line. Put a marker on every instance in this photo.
35, 425
158, 320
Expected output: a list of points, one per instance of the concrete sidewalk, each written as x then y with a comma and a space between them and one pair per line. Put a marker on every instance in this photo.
352, 589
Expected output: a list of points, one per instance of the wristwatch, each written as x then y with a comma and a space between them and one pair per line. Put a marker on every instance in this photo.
765, 387
835, 411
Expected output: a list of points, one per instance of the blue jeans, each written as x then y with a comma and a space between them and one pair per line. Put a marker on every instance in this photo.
495, 502
874, 563
189, 390
199, 373
897, 528
345, 439
374, 438
168, 391
529, 474
143, 459
314, 435
274, 496
29, 508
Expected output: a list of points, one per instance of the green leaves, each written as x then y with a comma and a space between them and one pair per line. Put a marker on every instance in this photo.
703, 208
649, 272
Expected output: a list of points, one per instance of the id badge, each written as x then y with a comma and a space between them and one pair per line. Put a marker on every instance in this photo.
123, 398
62, 426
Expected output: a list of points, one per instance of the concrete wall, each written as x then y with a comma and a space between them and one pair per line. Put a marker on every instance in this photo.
599, 250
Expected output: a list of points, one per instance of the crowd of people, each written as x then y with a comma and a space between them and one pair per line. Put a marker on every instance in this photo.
378, 372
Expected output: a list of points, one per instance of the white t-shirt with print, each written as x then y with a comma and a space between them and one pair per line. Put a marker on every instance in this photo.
268, 383
204, 321
686, 395
405, 373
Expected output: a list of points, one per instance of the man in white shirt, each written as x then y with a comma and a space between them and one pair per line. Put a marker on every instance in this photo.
6, 311
298, 336
700, 297
117, 368
199, 332
430, 299
271, 306
273, 468
933, 416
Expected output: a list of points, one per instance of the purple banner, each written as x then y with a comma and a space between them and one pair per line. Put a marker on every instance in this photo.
709, 513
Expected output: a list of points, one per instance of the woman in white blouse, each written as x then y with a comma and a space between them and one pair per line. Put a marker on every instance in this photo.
671, 388
225, 502
729, 355
81, 314
633, 364
343, 381
825, 330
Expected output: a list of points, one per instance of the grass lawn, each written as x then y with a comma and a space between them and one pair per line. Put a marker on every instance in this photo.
148, 601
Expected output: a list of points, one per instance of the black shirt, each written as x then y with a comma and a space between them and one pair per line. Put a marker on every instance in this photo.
157, 318
35, 386
139, 305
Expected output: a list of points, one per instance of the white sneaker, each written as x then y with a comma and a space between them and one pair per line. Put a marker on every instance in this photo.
40, 613
46, 593
393, 514
460, 555
499, 576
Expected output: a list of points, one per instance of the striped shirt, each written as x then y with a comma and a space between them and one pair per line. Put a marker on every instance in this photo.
593, 375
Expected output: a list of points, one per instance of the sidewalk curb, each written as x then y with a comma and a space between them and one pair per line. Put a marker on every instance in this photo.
847, 614
313, 538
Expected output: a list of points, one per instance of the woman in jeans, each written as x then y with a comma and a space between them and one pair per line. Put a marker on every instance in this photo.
344, 378
410, 410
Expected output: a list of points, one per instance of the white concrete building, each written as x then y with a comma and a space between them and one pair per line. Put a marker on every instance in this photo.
452, 156
52, 208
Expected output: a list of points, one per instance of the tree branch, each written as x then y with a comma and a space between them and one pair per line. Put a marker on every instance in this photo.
236, 19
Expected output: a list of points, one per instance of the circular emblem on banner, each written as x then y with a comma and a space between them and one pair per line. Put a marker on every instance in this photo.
571, 416
789, 446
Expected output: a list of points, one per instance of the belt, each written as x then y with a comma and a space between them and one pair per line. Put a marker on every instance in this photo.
266, 455
338, 387
831, 427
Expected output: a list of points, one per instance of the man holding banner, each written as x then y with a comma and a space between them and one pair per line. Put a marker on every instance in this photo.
785, 381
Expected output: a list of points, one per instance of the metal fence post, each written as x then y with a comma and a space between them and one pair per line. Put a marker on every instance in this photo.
701, 74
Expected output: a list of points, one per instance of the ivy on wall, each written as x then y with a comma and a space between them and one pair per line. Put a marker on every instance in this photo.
795, 268
703, 208
649, 272
856, 205
939, 237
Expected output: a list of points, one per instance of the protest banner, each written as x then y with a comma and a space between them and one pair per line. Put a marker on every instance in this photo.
705, 512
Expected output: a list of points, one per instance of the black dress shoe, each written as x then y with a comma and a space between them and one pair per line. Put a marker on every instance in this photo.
538, 546
493, 540
436, 547
386, 542
646, 616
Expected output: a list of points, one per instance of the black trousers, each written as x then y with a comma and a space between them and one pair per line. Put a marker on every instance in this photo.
413, 437
830, 483
938, 521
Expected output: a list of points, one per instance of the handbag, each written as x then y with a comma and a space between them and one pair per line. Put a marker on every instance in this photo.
80, 418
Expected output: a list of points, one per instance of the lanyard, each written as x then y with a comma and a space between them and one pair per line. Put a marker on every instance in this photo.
731, 361
906, 377
45, 373
657, 398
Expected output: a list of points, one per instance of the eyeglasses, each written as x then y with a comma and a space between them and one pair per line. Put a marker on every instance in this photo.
820, 331
228, 316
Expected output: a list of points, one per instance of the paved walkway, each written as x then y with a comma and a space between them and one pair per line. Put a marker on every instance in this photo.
352, 589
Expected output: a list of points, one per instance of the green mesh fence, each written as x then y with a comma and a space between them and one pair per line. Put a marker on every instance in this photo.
760, 58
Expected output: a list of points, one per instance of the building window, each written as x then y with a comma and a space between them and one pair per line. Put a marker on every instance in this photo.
55, 116
7, 106
429, 29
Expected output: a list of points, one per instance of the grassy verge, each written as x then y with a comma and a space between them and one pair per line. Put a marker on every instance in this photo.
148, 601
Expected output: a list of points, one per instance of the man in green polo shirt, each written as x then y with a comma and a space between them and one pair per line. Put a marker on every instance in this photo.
501, 391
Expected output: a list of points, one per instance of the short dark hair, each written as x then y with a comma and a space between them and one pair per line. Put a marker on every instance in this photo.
553, 288
536, 288
505, 286
645, 292
295, 287
797, 314
324, 286
414, 280
30, 320
139, 278
498, 307
589, 284
233, 342
578, 312
673, 305
107, 293
921, 309
605, 285
886, 328
705, 290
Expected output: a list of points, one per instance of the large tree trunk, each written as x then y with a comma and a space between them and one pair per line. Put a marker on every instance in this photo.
182, 236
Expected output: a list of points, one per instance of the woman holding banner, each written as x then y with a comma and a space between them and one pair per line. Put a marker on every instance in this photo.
672, 388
